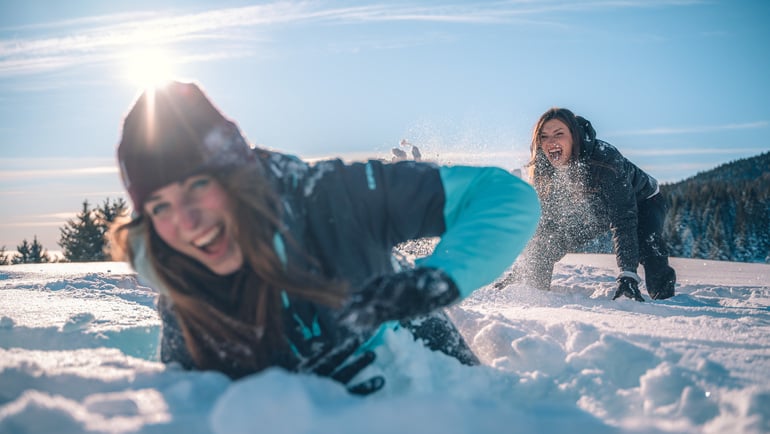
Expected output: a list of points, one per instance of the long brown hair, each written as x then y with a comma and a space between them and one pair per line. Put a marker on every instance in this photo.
235, 329
540, 169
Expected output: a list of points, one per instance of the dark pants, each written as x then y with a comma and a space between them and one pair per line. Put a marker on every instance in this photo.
547, 248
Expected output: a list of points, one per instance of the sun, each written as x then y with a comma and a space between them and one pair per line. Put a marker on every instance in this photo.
148, 67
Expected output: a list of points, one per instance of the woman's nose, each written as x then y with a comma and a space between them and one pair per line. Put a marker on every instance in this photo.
189, 216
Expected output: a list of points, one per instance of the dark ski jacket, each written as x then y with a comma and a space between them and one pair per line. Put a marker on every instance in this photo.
350, 216
603, 190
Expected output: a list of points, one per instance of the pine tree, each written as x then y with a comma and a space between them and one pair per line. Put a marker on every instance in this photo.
4, 258
23, 251
38, 254
109, 211
107, 214
82, 238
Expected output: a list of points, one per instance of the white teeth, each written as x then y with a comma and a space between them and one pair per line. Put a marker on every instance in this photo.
208, 237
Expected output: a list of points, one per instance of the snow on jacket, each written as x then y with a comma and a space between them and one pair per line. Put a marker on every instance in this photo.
348, 217
607, 195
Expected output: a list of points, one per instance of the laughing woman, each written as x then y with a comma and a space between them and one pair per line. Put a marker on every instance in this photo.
263, 260
587, 187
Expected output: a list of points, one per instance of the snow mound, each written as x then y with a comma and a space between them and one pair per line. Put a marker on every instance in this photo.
78, 347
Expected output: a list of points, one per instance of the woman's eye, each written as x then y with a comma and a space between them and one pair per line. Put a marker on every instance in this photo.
159, 209
200, 182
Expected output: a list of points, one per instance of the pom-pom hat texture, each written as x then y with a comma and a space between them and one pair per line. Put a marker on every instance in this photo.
174, 132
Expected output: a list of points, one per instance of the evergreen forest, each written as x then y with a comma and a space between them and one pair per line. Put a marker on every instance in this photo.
722, 214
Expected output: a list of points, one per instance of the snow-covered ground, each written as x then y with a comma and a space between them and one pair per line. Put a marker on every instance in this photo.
78, 343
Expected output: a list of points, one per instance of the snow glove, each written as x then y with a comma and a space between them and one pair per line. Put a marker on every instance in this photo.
398, 296
330, 364
628, 285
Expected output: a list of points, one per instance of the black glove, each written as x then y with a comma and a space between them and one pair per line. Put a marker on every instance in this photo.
398, 296
330, 364
628, 286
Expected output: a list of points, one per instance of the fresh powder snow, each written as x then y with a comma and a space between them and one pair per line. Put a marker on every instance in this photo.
78, 354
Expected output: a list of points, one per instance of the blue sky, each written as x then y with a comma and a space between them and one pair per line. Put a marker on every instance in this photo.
678, 86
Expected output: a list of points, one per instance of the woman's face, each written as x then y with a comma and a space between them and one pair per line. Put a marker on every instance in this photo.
195, 218
556, 141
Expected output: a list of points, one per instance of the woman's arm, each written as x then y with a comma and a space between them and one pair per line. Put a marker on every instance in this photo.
620, 199
490, 216
483, 215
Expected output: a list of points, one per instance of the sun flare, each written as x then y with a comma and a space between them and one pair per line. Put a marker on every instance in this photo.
148, 67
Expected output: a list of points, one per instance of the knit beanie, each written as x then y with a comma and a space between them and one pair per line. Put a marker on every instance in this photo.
174, 132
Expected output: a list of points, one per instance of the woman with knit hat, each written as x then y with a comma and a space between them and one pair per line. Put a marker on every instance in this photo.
263, 260
586, 188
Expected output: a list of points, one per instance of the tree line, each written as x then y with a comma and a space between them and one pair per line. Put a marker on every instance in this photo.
82, 239
722, 214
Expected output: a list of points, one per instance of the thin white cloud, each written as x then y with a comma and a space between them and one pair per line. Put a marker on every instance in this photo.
102, 41
84, 21
689, 151
7, 175
44, 224
57, 215
691, 129
63, 193
98, 39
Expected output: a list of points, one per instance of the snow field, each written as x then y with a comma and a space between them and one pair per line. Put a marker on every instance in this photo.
78, 344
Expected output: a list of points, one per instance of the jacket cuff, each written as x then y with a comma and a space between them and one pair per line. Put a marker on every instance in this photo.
630, 274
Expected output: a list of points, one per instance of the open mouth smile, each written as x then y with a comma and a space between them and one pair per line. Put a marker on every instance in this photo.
555, 154
209, 238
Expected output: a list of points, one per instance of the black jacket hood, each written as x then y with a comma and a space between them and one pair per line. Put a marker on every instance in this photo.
588, 137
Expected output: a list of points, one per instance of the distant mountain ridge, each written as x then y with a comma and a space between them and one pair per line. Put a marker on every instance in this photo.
744, 169
723, 213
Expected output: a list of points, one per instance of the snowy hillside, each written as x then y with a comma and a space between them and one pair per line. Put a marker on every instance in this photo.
77, 345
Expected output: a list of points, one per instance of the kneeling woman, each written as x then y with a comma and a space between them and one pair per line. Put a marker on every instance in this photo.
262, 260
587, 187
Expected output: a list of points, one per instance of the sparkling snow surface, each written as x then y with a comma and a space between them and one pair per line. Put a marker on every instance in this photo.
78, 349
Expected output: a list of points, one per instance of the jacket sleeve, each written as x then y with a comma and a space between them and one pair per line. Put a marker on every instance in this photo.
354, 214
620, 199
483, 215
490, 215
